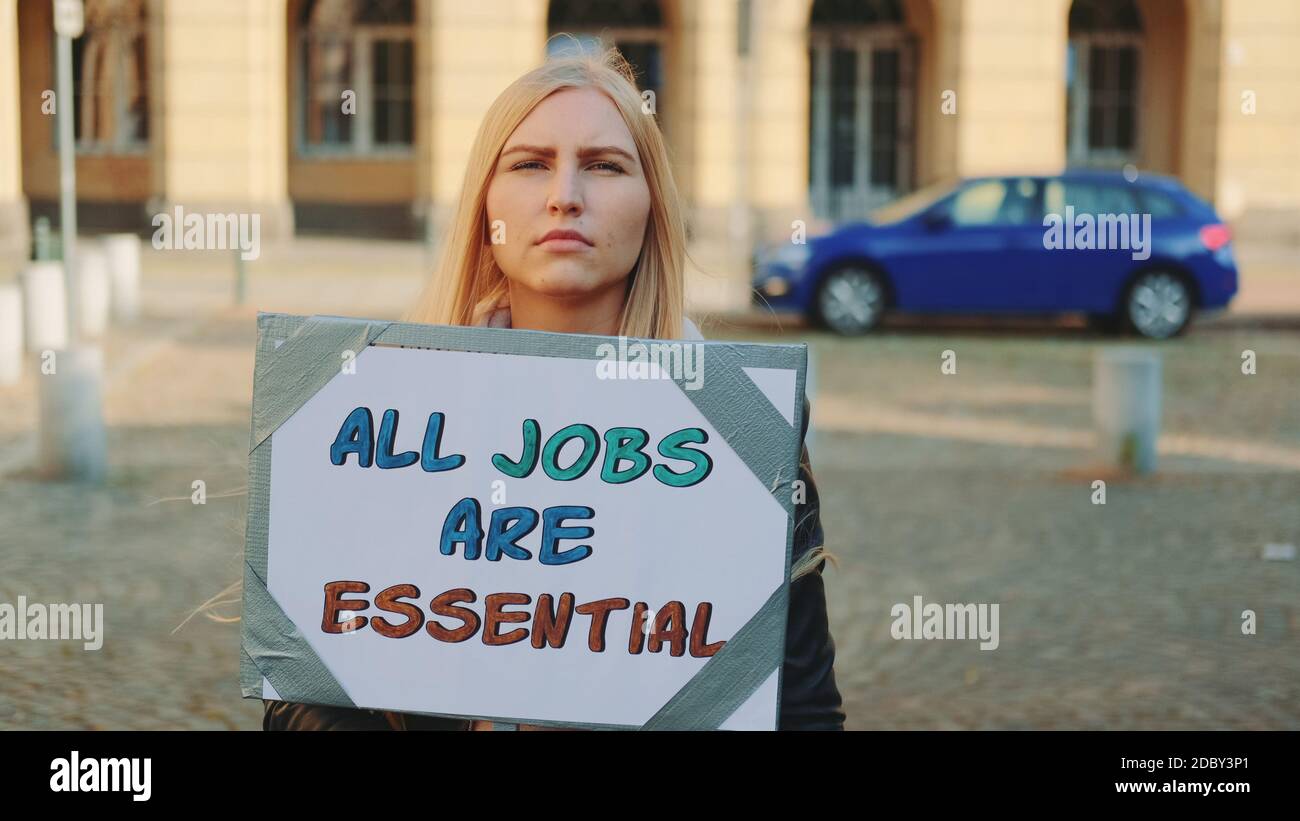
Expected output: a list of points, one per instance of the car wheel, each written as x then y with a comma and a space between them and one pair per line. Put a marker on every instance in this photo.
851, 300
1158, 305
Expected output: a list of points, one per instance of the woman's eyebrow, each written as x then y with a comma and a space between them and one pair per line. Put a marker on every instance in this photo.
587, 151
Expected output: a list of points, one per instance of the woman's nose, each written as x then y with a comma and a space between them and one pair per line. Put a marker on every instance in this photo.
566, 192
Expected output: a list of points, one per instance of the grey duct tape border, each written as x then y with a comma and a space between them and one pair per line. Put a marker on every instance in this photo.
304, 364
735, 406
278, 649
728, 679
289, 373
273, 646
255, 546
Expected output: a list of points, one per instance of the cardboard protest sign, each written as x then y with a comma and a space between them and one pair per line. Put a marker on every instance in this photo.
520, 526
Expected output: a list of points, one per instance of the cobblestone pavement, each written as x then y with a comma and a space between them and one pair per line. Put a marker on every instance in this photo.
1126, 615
970, 487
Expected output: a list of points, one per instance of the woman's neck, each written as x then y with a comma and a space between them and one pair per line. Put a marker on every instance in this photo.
598, 313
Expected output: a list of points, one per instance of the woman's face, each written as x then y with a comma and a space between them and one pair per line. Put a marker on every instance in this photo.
571, 165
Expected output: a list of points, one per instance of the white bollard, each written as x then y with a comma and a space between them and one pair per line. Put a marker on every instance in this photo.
1126, 399
123, 252
45, 310
11, 333
92, 289
72, 440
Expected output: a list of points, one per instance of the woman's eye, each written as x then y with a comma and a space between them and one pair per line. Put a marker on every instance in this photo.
525, 163
612, 166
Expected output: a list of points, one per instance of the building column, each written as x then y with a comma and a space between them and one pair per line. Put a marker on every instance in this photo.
1200, 105
1256, 173
1010, 82
707, 118
14, 233
938, 28
222, 142
468, 53
778, 163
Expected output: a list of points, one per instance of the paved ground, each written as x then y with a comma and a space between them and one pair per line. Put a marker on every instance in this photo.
972, 487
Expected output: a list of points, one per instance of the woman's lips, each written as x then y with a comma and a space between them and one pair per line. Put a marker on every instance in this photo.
561, 245
563, 241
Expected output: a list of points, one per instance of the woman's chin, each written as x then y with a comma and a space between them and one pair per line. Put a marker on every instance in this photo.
569, 284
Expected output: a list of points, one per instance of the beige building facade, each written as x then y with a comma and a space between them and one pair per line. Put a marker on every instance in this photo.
356, 116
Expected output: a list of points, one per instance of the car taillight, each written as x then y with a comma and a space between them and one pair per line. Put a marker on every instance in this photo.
1215, 236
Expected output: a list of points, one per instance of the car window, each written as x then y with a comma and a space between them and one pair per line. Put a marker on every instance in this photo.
1159, 204
1020, 207
1088, 198
977, 204
911, 204
994, 202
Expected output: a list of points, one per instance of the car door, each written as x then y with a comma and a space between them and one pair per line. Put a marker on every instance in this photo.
977, 250
1091, 278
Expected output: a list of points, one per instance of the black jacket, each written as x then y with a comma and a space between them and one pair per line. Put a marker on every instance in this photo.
809, 698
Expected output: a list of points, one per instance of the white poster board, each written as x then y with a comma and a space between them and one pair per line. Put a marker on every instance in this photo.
378, 481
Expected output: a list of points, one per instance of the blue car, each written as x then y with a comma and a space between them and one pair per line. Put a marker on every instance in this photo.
1142, 255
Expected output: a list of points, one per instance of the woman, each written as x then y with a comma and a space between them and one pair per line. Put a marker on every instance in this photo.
569, 222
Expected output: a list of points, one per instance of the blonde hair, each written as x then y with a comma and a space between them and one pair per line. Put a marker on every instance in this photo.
467, 283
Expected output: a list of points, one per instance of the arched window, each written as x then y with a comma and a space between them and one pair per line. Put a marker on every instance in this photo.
110, 78
1103, 74
356, 77
860, 106
634, 27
